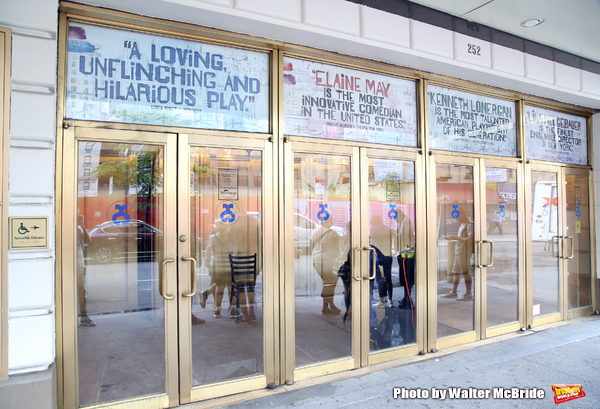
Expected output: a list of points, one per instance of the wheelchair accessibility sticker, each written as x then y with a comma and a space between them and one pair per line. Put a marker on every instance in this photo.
228, 213
393, 213
120, 213
322, 211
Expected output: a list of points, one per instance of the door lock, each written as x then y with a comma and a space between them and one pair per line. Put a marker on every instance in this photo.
182, 238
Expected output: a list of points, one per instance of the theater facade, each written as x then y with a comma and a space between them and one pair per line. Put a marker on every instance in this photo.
206, 198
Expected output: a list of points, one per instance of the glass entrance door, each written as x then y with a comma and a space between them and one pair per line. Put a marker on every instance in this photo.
560, 243
167, 291
353, 212
391, 216
224, 273
476, 246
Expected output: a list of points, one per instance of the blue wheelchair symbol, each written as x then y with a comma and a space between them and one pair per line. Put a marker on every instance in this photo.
502, 213
545, 211
577, 211
323, 214
227, 216
455, 213
117, 213
393, 213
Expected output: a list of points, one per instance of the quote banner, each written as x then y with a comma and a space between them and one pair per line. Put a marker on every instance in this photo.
126, 76
328, 101
464, 122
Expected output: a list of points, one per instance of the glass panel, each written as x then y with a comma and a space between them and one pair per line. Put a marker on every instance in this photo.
455, 252
502, 231
464, 122
121, 340
578, 241
226, 223
328, 101
392, 216
322, 237
544, 245
555, 136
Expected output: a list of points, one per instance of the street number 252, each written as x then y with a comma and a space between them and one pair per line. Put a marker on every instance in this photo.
474, 49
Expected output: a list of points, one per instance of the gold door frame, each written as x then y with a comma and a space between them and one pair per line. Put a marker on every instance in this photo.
433, 343
515, 165
269, 223
375, 357
177, 329
361, 356
533, 321
585, 310
564, 313
292, 374
68, 349
481, 330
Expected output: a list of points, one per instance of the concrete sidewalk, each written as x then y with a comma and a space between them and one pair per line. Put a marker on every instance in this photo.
564, 353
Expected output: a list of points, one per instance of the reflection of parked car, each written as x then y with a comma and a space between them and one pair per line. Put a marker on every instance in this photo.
111, 242
303, 228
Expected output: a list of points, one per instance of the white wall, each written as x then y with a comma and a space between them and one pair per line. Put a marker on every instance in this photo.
31, 325
356, 30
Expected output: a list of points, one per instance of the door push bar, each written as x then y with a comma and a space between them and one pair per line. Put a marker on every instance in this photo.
562, 246
162, 284
374, 264
193, 276
480, 244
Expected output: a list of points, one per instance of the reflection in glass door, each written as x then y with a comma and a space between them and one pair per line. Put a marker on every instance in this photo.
392, 216
501, 239
545, 243
577, 241
455, 232
120, 282
168, 289
478, 250
561, 262
322, 245
225, 230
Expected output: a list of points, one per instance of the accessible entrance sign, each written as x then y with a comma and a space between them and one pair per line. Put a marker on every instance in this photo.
28, 233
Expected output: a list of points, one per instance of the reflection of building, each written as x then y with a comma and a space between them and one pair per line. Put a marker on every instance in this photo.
89, 158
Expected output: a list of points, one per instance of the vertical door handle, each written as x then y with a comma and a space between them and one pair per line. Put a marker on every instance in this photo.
559, 246
491, 253
193, 277
572, 251
162, 284
354, 275
374, 263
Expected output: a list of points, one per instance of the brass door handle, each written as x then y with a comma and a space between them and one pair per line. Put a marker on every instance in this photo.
370, 277
162, 284
354, 275
193, 277
491, 254
559, 246
572, 250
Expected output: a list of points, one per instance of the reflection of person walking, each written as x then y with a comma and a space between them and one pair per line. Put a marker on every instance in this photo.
462, 257
495, 221
219, 248
325, 244
83, 240
382, 237
405, 243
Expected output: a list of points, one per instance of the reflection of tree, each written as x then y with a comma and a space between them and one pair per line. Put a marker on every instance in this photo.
140, 169
203, 170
